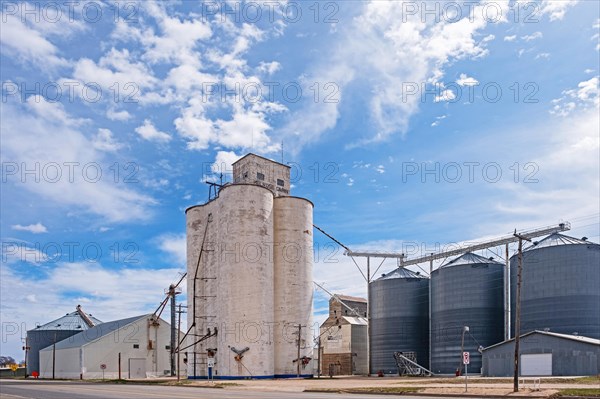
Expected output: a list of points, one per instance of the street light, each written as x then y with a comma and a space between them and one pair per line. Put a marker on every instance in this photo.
462, 345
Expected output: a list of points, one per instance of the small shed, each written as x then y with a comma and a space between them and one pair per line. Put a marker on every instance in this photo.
544, 353
135, 347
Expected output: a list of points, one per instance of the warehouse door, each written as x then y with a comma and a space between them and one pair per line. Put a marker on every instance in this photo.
137, 368
536, 365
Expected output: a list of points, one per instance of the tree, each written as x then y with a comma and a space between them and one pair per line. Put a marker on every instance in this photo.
6, 361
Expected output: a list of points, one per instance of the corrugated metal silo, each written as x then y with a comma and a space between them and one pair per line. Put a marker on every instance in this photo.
467, 291
45, 335
293, 259
560, 286
399, 307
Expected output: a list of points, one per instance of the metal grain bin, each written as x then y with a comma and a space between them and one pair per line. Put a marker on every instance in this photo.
399, 307
467, 291
45, 335
561, 286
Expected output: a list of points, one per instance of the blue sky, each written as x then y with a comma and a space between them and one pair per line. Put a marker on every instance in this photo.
404, 122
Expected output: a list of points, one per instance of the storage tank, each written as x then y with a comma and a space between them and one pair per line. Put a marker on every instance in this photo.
201, 220
467, 291
245, 281
560, 286
45, 335
399, 308
293, 287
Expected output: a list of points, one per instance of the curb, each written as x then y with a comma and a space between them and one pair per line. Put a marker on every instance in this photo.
440, 395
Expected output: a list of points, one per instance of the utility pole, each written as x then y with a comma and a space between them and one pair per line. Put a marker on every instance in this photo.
179, 312
518, 309
173, 312
298, 358
54, 356
319, 354
368, 316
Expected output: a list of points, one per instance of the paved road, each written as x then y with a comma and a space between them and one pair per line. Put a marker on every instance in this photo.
11, 389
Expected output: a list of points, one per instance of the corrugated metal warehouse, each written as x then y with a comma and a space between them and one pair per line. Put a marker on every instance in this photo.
249, 267
138, 346
560, 290
55, 331
544, 354
399, 304
467, 291
344, 337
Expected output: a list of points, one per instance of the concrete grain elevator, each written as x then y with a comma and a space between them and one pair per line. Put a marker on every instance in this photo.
249, 265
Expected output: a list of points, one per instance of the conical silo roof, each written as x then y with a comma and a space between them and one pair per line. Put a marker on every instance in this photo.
468, 258
556, 239
400, 272
71, 321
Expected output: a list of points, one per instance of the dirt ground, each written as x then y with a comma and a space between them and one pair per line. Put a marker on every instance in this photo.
480, 386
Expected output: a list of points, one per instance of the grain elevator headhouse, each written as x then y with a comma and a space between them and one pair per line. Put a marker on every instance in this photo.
249, 265
254, 169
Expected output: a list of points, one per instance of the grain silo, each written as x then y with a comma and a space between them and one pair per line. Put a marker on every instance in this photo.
559, 291
249, 255
293, 289
467, 291
55, 331
399, 306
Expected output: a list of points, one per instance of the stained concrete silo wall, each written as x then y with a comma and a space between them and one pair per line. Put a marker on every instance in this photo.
201, 285
245, 281
293, 259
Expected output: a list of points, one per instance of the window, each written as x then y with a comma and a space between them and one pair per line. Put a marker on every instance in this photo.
168, 347
280, 182
136, 346
245, 175
260, 176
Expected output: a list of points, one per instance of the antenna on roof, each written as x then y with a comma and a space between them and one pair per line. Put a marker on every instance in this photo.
282, 151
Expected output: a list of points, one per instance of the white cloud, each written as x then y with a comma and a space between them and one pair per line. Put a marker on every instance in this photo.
542, 55
269, 68
118, 74
556, 9
115, 115
510, 38
175, 246
465, 80
394, 48
27, 44
40, 132
585, 96
104, 141
148, 132
445, 95
224, 162
380, 169
32, 228
533, 36
350, 182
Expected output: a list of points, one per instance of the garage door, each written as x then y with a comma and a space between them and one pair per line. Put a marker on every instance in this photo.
536, 365
137, 368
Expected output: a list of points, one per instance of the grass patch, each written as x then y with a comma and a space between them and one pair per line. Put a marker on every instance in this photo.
584, 392
395, 390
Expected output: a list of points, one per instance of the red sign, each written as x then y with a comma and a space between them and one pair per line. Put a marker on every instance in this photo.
103, 366
466, 358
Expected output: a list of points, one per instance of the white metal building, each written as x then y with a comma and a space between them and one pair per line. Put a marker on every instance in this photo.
136, 347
